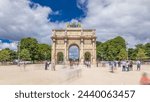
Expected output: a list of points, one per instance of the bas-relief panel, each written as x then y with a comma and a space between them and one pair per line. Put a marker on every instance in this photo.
87, 42
73, 33
87, 33
74, 42
60, 47
60, 33
60, 42
88, 47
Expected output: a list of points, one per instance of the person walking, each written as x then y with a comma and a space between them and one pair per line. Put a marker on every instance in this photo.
46, 65
127, 66
119, 64
138, 63
123, 66
53, 67
112, 66
131, 65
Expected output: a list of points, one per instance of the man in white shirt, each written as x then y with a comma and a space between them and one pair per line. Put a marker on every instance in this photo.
138, 63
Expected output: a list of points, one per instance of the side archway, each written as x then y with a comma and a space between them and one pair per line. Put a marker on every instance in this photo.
87, 56
60, 58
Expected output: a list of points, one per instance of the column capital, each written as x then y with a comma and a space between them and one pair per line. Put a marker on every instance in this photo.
81, 39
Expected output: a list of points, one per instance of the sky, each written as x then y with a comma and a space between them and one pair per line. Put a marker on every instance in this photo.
36, 18
74, 52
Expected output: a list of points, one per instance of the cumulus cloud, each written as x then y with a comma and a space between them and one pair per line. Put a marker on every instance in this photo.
12, 45
81, 4
23, 18
127, 18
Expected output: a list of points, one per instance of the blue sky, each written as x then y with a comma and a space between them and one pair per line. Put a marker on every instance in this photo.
67, 9
63, 11
36, 18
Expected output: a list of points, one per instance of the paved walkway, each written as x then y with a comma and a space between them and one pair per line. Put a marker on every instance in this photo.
35, 74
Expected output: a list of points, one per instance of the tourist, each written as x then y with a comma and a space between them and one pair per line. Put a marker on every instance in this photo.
123, 65
97, 63
138, 63
112, 66
24, 65
89, 64
127, 66
46, 65
115, 64
119, 63
53, 67
144, 79
131, 65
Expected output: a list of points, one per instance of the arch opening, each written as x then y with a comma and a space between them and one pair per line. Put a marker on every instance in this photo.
73, 53
87, 56
60, 58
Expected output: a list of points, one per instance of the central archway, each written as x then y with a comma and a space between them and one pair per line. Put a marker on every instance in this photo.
73, 52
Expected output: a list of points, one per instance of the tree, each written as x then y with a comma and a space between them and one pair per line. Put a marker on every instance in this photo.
110, 49
132, 53
98, 43
147, 49
122, 54
5, 55
31, 44
25, 55
13, 54
44, 52
141, 54
139, 46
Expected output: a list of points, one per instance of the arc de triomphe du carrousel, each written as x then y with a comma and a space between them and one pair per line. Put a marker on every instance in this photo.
74, 35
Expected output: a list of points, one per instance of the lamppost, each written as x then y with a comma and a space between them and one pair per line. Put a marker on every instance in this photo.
127, 50
18, 53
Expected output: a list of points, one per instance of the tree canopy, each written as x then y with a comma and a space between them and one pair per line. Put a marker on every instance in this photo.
31, 44
110, 49
25, 55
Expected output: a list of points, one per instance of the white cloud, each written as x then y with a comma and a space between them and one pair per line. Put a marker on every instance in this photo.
110, 18
23, 18
127, 18
12, 45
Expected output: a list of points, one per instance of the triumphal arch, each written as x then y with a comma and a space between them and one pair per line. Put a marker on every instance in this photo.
74, 34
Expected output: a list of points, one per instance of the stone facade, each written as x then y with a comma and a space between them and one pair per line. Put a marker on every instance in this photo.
84, 39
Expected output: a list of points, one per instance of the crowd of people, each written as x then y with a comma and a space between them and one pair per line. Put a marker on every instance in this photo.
47, 64
87, 63
126, 65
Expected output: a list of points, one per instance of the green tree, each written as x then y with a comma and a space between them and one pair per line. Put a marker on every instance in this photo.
139, 46
122, 54
147, 49
110, 49
5, 55
132, 53
13, 54
98, 43
44, 52
25, 55
141, 54
31, 44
